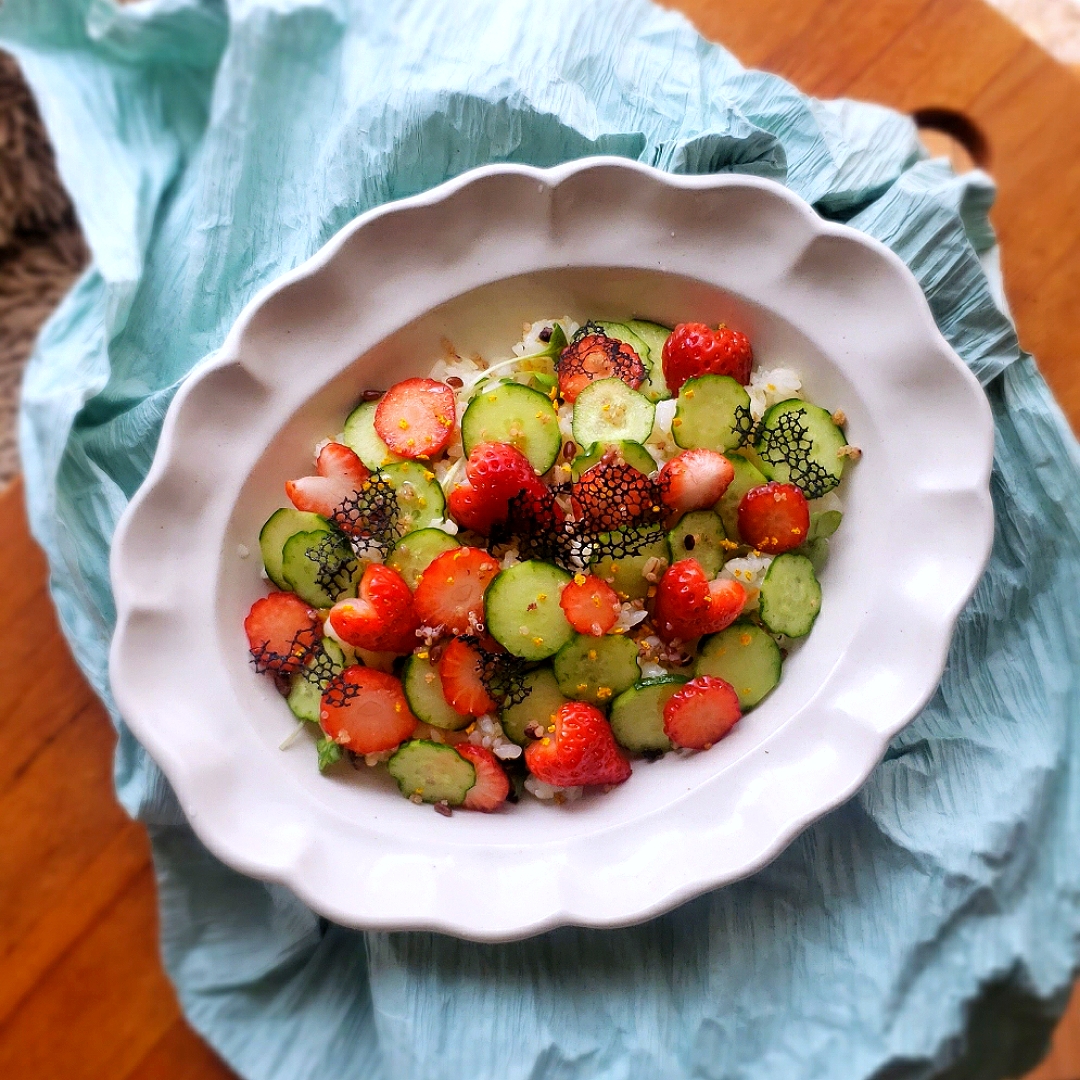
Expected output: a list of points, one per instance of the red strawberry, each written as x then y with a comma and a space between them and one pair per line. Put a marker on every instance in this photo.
581, 751
612, 494
694, 349
597, 356
688, 604
382, 618
341, 473
496, 473
774, 518
695, 479
460, 669
450, 591
591, 606
282, 631
366, 711
492, 786
473, 509
701, 713
415, 418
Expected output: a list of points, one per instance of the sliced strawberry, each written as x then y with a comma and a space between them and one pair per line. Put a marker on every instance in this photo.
774, 518
382, 618
688, 604
282, 632
612, 494
591, 605
415, 418
341, 473
701, 713
461, 672
695, 349
492, 786
496, 473
581, 750
473, 509
597, 356
366, 711
450, 592
695, 479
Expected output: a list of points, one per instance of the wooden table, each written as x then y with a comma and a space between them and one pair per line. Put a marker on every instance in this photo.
82, 993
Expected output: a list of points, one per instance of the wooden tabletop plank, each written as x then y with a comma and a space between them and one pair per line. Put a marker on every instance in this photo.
77, 906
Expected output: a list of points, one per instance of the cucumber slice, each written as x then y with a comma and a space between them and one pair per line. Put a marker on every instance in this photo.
306, 690
823, 523
745, 656
415, 552
521, 608
424, 693
633, 454
799, 444
790, 596
654, 335
543, 701
515, 414
699, 535
712, 413
434, 771
608, 411
747, 476
596, 669
361, 437
319, 566
622, 332
637, 714
420, 496
280, 525
626, 575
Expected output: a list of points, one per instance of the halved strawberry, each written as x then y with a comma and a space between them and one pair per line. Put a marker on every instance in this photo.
382, 618
695, 480
581, 750
282, 632
612, 494
366, 711
495, 474
774, 518
415, 418
591, 605
341, 473
701, 713
695, 349
492, 785
473, 509
597, 356
688, 604
460, 669
450, 591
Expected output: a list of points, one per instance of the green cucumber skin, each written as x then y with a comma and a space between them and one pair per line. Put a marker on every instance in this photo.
655, 387
826, 441
507, 614
706, 413
493, 413
415, 552
425, 695
631, 453
607, 411
708, 548
360, 436
747, 476
299, 571
622, 332
745, 656
637, 714
544, 700
434, 771
422, 502
278, 528
790, 599
600, 678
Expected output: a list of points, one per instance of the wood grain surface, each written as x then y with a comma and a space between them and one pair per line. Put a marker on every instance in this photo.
82, 992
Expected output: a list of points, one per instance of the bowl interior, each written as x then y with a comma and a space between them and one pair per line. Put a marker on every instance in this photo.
488, 320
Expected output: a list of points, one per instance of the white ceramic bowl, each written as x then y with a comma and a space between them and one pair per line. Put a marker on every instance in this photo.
471, 261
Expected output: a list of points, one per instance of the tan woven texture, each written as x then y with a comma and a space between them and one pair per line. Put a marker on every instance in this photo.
41, 248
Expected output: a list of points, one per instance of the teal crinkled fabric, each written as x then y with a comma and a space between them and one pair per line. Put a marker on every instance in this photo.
929, 927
